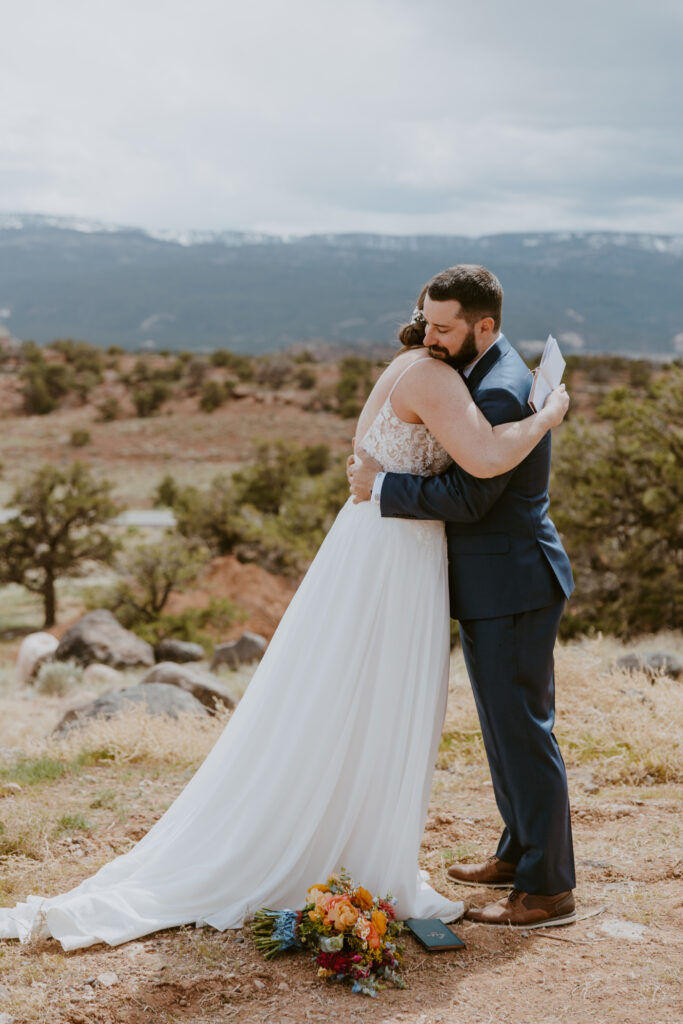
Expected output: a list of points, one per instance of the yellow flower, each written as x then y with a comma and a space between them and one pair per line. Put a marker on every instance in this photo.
316, 889
323, 972
379, 919
362, 898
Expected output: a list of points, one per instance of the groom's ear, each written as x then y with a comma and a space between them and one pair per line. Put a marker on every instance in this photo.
485, 325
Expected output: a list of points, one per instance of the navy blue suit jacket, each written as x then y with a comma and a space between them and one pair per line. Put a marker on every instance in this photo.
504, 553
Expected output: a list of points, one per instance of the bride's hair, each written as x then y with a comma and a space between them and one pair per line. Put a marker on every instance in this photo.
412, 335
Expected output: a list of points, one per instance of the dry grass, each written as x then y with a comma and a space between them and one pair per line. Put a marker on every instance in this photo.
87, 797
620, 725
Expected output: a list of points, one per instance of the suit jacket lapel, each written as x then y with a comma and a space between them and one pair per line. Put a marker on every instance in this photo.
489, 359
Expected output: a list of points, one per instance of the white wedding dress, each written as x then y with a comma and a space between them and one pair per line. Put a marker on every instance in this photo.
327, 761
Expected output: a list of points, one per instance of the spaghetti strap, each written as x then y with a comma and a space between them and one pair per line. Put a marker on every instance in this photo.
402, 374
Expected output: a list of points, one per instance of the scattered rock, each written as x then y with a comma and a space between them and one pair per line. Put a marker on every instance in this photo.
617, 929
98, 637
249, 647
655, 663
159, 698
108, 979
630, 662
10, 789
178, 650
259, 984
667, 664
96, 674
35, 649
203, 686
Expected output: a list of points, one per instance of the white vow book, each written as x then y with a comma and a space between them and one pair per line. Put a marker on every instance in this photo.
548, 375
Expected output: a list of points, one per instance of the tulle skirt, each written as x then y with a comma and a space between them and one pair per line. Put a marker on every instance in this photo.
326, 763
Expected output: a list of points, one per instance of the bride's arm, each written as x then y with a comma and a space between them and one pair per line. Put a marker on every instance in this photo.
439, 396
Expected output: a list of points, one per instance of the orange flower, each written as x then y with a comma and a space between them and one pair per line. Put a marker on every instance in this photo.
362, 898
380, 921
373, 938
341, 913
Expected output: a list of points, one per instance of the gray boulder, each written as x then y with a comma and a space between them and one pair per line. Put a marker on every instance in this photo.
99, 637
158, 699
203, 686
178, 650
665, 664
630, 662
249, 647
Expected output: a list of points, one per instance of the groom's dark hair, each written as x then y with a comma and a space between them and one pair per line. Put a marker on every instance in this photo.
478, 291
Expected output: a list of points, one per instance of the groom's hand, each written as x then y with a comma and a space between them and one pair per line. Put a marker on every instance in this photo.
361, 470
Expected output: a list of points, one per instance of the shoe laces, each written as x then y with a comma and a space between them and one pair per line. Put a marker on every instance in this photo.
514, 895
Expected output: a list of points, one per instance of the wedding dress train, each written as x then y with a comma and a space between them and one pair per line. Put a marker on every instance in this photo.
326, 762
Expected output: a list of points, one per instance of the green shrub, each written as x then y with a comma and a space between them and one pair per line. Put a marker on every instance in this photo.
192, 624
37, 400
44, 384
305, 378
166, 492
196, 371
221, 357
109, 409
79, 438
264, 483
617, 493
243, 367
213, 395
354, 385
316, 458
213, 516
274, 371
148, 399
55, 678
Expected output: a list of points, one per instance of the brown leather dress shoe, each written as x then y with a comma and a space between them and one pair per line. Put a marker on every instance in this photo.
494, 873
527, 910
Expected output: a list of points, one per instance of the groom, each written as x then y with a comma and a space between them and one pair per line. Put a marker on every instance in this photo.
509, 578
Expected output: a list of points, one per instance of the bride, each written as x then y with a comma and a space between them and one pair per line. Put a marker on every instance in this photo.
327, 760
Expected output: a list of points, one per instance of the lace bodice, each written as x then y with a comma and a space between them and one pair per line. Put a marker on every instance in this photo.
404, 447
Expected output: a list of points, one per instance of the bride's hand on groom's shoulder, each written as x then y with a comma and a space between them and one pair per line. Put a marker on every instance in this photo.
556, 406
361, 470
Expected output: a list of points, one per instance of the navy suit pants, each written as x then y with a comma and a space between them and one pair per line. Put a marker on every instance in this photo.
510, 665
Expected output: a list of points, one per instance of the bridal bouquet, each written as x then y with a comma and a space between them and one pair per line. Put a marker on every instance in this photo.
351, 933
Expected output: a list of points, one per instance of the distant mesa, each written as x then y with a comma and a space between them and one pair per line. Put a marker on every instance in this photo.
256, 293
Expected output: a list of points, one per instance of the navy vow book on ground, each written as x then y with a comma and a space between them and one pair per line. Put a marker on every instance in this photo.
433, 934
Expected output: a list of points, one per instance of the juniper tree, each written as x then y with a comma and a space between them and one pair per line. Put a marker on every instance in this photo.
60, 525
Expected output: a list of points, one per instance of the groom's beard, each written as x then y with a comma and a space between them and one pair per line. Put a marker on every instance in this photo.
465, 355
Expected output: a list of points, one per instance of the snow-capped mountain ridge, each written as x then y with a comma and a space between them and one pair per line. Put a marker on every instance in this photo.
661, 243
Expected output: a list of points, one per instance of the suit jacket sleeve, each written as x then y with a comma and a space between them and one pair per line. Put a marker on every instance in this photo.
454, 496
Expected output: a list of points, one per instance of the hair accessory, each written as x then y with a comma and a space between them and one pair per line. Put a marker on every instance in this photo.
418, 316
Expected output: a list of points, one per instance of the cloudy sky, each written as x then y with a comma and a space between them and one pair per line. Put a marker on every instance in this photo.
436, 116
